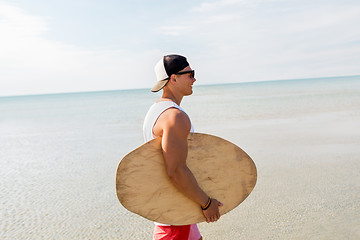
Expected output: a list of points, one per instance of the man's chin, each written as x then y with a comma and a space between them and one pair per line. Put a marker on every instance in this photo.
189, 93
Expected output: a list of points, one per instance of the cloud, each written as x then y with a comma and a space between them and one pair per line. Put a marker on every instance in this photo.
215, 5
32, 63
173, 30
265, 40
17, 23
226, 41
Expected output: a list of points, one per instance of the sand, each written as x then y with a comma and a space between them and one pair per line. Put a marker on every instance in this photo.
60, 184
308, 187
308, 181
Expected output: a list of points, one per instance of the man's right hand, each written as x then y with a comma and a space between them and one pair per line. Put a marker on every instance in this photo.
212, 214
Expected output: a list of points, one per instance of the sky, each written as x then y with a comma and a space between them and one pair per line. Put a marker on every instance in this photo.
51, 46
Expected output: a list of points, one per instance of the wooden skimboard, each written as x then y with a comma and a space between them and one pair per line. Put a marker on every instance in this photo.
222, 170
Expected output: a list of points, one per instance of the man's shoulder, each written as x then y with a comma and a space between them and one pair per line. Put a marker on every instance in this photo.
175, 113
174, 117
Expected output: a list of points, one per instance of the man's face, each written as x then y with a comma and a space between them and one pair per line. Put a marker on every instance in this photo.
185, 81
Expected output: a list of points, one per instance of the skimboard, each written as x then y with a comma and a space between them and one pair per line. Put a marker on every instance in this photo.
222, 169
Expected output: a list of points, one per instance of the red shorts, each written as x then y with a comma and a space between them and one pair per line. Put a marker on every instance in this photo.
187, 232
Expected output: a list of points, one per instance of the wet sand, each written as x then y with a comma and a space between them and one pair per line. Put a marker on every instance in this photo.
308, 186
308, 181
58, 168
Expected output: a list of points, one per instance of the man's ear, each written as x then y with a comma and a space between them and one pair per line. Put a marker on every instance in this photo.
173, 78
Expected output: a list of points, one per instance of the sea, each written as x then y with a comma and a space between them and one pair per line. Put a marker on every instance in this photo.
59, 152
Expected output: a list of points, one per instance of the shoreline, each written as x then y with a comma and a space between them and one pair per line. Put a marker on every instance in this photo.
58, 175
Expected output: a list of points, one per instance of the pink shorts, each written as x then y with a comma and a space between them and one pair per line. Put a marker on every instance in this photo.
187, 232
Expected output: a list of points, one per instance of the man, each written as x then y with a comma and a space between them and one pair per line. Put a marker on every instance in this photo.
166, 119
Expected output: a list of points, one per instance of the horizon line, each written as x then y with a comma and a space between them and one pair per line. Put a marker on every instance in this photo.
145, 88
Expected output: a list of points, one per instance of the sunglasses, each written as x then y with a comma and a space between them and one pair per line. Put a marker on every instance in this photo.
192, 73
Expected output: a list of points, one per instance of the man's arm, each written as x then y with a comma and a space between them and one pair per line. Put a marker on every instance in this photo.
175, 127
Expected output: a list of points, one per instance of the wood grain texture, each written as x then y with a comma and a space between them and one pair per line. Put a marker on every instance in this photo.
223, 170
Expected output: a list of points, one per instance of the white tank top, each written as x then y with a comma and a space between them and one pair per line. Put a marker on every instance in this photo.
150, 119
153, 114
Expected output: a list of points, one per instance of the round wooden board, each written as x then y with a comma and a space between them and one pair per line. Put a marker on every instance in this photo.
223, 170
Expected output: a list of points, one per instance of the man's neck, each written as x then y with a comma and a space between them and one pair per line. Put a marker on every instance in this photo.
172, 97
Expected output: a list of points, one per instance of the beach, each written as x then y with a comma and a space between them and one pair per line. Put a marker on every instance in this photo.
307, 190
59, 154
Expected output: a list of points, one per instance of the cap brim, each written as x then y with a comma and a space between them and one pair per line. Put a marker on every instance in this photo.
159, 85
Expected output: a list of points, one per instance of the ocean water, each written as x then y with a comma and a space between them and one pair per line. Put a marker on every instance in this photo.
59, 153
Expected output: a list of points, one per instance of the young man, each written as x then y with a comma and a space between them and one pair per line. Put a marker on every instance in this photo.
166, 119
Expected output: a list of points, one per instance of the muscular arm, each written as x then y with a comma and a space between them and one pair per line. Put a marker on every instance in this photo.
175, 149
174, 126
